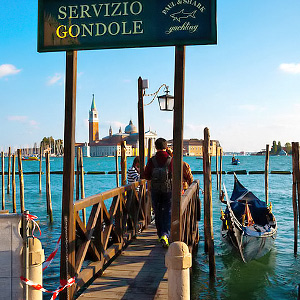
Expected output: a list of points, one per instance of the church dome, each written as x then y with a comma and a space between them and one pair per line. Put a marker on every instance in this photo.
130, 128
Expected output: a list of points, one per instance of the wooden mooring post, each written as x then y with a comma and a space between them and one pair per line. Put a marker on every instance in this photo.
296, 191
123, 163
21, 180
3, 181
208, 213
220, 173
8, 169
40, 171
13, 183
77, 174
217, 167
267, 174
82, 191
149, 149
117, 169
48, 189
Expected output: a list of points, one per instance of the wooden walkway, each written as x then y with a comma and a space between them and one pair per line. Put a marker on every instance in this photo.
139, 273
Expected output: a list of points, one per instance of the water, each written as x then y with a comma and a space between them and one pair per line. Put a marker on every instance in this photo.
275, 276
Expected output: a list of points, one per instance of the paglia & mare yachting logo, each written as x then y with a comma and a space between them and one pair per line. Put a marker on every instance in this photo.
183, 15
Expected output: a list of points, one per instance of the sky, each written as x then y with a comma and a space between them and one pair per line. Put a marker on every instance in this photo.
245, 88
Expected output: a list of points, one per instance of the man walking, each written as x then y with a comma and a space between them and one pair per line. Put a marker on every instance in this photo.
159, 171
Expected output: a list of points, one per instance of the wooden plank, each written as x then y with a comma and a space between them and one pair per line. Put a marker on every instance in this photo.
138, 273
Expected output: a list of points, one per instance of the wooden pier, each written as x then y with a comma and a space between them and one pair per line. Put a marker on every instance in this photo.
138, 273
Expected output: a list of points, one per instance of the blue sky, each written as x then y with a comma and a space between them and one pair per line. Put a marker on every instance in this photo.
245, 89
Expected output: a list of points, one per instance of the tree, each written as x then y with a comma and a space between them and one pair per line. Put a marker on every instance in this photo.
274, 148
279, 148
288, 148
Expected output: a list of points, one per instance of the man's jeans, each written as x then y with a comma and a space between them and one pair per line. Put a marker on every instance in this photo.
161, 203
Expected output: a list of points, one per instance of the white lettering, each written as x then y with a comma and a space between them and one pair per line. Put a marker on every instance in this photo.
62, 10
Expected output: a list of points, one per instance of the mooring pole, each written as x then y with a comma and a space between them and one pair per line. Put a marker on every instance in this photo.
178, 143
67, 261
208, 212
3, 181
141, 127
8, 170
40, 169
267, 174
217, 169
295, 161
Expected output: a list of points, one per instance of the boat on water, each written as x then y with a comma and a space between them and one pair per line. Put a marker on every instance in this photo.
235, 161
248, 223
30, 158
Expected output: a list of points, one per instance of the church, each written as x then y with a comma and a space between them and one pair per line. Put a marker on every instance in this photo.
110, 144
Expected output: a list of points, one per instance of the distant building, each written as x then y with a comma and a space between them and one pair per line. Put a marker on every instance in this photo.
194, 147
110, 144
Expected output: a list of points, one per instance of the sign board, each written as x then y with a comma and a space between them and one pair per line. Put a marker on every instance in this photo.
105, 24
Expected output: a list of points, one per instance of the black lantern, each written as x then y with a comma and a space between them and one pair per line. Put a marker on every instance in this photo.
166, 102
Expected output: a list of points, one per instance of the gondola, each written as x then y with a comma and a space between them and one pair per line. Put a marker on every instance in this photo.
248, 223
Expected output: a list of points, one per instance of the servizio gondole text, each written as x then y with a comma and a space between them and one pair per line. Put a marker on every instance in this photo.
101, 11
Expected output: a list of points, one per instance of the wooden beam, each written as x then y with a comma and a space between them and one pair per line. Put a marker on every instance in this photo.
178, 142
67, 262
267, 174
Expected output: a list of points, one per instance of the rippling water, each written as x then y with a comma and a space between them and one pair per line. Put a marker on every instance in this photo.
275, 276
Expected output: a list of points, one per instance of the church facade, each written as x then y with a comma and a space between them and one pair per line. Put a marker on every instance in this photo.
110, 144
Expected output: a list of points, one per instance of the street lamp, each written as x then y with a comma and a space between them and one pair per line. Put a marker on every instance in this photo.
166, 102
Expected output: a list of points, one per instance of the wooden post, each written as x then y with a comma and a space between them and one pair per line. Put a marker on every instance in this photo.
208, 214
40, 171
21, 179
149, 149
67, 261
176, 221
141, 127
217, 170
48, 189
3, 181
295, 160
82, 194
123, 163
220, 173
8, 170
13, 183
117, 168
267, 174
77, 173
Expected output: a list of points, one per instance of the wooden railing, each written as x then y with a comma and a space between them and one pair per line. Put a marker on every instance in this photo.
108, 230
190, 215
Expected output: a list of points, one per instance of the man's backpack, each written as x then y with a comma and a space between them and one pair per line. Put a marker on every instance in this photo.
161, 179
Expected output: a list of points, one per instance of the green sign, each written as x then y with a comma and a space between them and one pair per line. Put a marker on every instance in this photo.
103, 24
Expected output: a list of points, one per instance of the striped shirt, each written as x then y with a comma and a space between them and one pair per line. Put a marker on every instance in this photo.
132, 175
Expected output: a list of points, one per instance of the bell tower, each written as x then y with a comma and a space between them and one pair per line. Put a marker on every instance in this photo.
93, 122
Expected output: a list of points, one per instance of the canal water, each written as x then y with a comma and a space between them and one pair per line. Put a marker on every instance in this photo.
275, 276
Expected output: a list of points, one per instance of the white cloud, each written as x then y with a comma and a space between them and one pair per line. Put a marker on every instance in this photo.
54, 79
7, 69
23, 120
290, 68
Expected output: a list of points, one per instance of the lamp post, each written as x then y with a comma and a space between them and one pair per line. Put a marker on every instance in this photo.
166, 103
